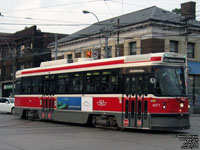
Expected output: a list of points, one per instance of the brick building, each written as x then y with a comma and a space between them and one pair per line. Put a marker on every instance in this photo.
20, 50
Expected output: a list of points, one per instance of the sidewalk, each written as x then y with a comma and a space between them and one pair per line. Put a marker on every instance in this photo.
194, 115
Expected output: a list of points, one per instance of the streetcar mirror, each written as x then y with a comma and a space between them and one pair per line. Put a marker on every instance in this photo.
152, 80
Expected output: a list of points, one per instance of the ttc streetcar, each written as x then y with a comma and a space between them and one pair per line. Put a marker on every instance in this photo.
146, 91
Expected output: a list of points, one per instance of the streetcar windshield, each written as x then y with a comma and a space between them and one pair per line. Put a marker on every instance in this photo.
170, 81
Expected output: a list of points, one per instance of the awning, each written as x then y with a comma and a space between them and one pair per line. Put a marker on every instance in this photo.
194, 67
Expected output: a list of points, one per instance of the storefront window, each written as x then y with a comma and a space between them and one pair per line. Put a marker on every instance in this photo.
197, 90
190, 89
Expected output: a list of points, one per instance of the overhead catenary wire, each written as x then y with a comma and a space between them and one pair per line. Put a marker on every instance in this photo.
105, 1
58, 5
40, 19
130, 4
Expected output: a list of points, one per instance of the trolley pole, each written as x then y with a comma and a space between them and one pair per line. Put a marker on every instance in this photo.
106, 45
118, 37
13, 72
56, 46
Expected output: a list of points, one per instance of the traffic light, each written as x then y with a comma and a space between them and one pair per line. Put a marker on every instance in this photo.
88, 53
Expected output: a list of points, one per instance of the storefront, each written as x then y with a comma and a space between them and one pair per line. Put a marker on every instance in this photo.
194, 82
7, 90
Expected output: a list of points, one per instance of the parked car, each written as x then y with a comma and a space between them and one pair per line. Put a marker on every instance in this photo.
7, 105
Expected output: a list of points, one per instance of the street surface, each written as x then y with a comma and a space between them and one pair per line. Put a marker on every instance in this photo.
17, 134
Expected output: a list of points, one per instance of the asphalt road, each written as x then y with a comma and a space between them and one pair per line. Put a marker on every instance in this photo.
17, 134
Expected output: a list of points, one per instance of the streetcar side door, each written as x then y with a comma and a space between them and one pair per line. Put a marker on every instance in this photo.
48, 99
135, 104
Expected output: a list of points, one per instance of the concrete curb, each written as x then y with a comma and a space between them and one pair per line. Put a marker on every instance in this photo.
194, 115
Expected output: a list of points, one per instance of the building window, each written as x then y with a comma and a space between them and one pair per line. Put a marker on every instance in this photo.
194, 89
96, 53
22, 48
69, 57
78, 55
109, 53
174, 46
197, 90
190, 50
133, 48
22, 67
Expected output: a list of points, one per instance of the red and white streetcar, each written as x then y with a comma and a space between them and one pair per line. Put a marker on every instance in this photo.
142, 91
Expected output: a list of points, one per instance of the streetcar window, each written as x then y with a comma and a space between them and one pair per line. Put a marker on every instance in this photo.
36, 85
133, 85
62, 85
170, 81
26, 85
92, 82
52, 85
129, 85
17, 86
126, 85
77, 83
109, 82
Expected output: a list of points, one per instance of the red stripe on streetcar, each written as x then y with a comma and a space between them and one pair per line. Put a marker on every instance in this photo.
76, 66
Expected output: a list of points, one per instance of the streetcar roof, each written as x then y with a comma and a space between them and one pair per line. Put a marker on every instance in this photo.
116, 62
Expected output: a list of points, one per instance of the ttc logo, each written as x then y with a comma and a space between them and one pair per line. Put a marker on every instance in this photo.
101, 103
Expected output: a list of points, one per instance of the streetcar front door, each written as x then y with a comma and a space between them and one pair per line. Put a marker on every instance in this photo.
135, 104
48, 100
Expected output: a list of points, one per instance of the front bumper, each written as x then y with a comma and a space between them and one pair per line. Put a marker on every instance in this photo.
170, 121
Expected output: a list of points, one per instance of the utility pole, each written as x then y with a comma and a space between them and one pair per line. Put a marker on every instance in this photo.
118, 37
106, 44
56, 46
13, 71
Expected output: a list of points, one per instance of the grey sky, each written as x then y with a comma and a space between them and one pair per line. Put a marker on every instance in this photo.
65, 16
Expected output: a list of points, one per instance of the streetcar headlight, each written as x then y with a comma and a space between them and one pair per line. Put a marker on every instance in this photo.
189, 106
181, 105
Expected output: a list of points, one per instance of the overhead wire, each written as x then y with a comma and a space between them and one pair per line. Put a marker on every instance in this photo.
30, 18
131, 4
58, 5
26, 24
105, 1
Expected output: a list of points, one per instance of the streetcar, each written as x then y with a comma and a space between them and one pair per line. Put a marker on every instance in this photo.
147, 91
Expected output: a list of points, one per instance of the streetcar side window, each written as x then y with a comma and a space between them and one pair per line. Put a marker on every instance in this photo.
62, 84
17, 86
52, 86
37, 85
109, 82
26, 85
77, 80
92, 82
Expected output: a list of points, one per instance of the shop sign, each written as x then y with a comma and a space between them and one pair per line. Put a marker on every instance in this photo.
7, 87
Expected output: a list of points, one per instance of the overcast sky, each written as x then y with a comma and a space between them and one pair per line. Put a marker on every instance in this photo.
65, 16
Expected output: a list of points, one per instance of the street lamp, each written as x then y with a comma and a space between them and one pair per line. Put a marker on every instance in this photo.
88, 12
106, 43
